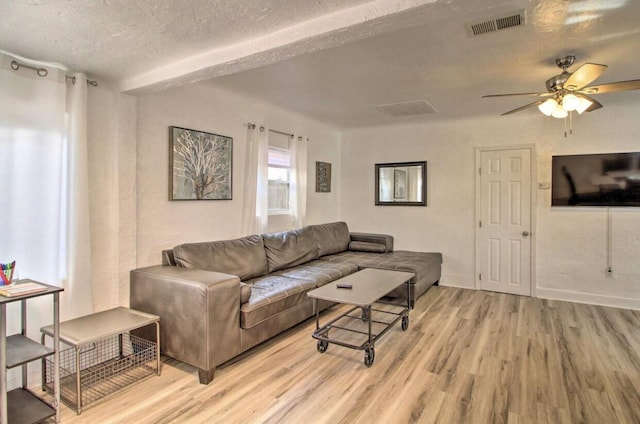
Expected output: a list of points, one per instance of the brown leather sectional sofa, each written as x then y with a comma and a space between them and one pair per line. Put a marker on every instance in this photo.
218, 299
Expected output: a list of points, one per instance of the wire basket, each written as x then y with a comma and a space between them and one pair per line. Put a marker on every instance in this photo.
106, 366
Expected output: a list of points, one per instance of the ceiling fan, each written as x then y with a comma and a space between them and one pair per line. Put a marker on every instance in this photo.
570, 91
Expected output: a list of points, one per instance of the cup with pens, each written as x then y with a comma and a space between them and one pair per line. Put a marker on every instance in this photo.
6, 273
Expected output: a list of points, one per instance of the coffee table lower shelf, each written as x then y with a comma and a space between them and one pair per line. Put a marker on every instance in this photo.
360, 328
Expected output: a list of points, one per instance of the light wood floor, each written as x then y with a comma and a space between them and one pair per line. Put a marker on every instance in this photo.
468, 356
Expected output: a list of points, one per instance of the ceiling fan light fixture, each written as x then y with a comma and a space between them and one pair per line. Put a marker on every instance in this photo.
570, 102
570, 91
583, 105
548, 106
559, 112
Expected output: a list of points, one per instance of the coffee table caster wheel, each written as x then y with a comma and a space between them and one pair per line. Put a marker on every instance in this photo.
369, 357
405, 322
322, 346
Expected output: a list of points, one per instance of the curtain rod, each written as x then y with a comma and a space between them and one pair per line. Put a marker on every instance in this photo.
42, 72
253, 127
277, 132
72, 78
38, 63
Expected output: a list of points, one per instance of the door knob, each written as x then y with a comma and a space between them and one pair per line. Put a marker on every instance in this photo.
525, 233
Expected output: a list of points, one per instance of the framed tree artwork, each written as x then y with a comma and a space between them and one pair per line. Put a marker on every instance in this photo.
200, 165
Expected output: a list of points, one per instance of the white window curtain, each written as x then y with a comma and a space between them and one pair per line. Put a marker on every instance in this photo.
298, 186
44, 183
77, 250
255, 210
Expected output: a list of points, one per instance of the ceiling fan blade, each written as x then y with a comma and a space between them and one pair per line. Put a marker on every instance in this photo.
536, 103
584, 75
595, 105
612, 87
519, 94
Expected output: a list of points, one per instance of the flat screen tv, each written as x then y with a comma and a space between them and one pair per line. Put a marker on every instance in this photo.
610, 179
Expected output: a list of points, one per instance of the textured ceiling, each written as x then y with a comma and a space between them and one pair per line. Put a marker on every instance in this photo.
334, 60
116, 39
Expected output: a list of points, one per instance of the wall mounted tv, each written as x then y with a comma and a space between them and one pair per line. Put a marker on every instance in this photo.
610, 179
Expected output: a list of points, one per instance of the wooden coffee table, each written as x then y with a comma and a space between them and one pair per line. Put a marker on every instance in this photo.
370, 318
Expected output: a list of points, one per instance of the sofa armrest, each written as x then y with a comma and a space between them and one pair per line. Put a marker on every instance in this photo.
199, 312
383, 239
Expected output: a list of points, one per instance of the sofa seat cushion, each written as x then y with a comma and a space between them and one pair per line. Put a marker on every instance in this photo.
290, 248
271, 295
319, 271
244, 257
425, 265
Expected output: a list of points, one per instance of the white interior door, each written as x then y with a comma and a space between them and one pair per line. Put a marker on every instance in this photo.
504, 228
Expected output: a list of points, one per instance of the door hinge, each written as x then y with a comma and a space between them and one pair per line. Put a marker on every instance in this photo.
479, 171
480, 277
480, 224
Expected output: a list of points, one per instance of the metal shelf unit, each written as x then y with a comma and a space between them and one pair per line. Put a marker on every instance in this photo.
103, 356
21, 405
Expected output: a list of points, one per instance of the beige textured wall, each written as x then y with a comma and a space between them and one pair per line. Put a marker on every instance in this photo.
570, 254
132, 220
111, 126
162, 224
131, 216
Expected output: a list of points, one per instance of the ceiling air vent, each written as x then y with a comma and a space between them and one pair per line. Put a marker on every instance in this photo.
417, 107
497, 23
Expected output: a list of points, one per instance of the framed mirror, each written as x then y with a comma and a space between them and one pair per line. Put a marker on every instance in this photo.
401, 184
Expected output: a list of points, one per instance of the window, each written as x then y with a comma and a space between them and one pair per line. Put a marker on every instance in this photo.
279, 161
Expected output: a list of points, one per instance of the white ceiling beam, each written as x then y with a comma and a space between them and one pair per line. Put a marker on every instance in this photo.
331, 30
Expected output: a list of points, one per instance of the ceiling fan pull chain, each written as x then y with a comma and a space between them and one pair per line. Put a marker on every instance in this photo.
570, 123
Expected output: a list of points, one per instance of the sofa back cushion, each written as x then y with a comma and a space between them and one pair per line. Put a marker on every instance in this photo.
332, 238
244, 257
290, 248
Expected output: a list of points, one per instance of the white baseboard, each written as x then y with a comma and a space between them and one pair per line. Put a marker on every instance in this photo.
466, 282
459, 281
588, 298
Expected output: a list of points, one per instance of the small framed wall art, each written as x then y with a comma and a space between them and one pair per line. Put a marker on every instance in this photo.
323, 177
200, 165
